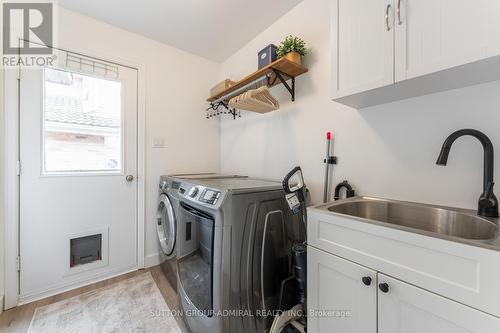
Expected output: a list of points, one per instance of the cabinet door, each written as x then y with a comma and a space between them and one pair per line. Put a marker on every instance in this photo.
433, 35
408, 309
363, 45
338, 299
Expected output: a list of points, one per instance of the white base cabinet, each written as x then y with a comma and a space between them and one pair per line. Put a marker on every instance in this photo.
408, 309
339, 299
344, 297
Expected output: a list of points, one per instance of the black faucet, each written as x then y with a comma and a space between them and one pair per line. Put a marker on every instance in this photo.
349, 191
488, 203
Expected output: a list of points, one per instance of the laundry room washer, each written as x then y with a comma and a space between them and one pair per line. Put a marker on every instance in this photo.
166, 224
233, 252
166, 228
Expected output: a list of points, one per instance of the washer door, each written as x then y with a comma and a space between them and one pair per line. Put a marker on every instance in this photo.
166, 226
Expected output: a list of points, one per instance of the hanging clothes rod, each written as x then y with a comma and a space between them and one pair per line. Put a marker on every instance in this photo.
240, 90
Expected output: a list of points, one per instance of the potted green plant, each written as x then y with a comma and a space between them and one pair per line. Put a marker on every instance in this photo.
292, 48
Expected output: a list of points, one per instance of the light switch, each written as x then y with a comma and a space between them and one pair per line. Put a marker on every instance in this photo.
158, 142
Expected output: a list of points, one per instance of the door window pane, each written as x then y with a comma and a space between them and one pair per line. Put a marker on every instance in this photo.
82, 123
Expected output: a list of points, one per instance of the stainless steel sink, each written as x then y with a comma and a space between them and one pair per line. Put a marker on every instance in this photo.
437, 220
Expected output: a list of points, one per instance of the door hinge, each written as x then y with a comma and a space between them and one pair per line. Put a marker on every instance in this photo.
18, 262
18, 168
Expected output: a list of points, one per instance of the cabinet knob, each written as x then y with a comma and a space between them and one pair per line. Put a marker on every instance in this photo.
384, 287
367, 280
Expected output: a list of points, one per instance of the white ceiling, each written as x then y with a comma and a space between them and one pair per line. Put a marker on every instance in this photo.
213, 29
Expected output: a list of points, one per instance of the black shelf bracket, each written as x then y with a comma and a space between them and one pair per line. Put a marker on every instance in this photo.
281, 76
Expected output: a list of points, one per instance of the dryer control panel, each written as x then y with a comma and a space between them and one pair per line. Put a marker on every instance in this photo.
209, 196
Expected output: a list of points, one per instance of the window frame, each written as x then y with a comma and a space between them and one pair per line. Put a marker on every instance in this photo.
82, 173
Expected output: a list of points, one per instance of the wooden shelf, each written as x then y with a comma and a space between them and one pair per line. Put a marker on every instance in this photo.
284, 66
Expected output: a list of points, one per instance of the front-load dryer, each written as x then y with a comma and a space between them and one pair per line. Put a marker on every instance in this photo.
233, 253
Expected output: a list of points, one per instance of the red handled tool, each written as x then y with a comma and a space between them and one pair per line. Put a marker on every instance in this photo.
329, 160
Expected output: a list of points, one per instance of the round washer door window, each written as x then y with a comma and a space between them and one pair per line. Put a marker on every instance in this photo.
165, 225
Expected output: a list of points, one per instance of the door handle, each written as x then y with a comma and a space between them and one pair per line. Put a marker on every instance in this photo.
398, 11
129, 178
387, 17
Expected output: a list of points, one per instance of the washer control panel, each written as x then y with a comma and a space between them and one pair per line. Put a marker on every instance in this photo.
193, 191
163, 185
209, 196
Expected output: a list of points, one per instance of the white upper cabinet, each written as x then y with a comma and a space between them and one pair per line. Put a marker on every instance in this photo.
365, 39
404, 308
384, 51
433, 35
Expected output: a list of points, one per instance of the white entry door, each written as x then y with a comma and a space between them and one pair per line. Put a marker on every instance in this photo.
78, 166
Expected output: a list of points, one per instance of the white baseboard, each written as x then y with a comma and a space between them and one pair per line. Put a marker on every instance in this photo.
1, 304
61, 288
152, 260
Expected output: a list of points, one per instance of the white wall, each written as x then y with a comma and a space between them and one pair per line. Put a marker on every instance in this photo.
387, 151
176, 88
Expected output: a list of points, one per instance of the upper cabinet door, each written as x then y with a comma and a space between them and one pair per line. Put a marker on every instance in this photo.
362, 35
433, 35
341, 295
403, 308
